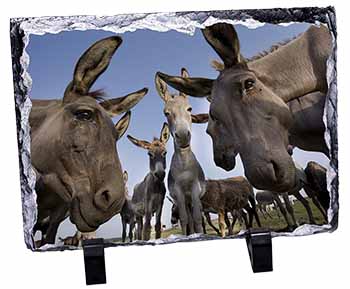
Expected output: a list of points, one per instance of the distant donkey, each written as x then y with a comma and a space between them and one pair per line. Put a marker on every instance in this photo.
265, 199
230, 195
148, 197
127, 214
224, 196
186, 180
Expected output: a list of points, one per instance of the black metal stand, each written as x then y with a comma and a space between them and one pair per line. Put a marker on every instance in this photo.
94, 258
259, 245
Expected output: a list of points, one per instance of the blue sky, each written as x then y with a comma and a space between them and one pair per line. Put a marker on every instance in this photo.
143, 52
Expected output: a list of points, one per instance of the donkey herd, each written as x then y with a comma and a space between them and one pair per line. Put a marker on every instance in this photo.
260, 108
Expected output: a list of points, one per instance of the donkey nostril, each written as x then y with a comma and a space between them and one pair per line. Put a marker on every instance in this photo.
176, 135
105, 196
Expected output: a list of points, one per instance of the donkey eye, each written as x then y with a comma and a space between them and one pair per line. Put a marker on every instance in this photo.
249, 84
166, 113
83, 114
189, 109
151, 155
164, 154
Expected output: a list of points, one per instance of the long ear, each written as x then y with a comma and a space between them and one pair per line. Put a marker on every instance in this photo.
184, 74
162, 88
200, 118
198, 87
140, 143
122, 104
91, 64
125, 177
165, 133
224, 39
123, 124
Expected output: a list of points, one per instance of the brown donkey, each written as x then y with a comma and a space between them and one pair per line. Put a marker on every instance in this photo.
73, 148
148, 197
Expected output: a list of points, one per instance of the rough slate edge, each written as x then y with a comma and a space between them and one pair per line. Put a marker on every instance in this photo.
184, 22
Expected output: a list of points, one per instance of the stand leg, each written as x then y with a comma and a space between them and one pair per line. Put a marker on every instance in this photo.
94, 259
259, 245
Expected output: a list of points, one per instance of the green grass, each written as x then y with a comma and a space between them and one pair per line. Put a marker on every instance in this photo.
275, 223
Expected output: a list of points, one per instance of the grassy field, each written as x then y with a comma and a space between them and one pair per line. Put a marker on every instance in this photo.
275, 223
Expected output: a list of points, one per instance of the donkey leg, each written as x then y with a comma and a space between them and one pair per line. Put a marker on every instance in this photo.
131, 229
228, 224
203, 224
139, 227
181, 203
55, 220
124, 230
158, 226
197, 214
197, 207
190, 224
245, 219
283, 211
289, 207
210, 223
311, 193
222, 223
306, 205
146, 232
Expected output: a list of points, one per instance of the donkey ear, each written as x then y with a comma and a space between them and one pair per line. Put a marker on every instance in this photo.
165, 133
224, 39
184, 73
200, 118
123, 124
125, 177
162, 89
91, 65
140, 143
194, 86
116, 106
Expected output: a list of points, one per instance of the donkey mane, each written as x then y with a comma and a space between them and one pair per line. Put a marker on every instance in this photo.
98, 94
272, 49
219, 66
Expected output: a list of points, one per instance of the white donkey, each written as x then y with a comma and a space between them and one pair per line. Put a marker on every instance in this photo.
186, 180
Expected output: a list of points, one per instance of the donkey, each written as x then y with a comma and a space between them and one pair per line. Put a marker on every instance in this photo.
127, 214
224, 196
249, 101
186, 180
73, 148
148, 197
229, 195
265, 199
316, 187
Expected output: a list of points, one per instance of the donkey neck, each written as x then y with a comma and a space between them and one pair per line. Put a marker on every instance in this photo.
184, 154
298, 67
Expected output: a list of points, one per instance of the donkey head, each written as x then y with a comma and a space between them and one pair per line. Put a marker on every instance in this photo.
177, 110
77, 142
156, 151
251, 118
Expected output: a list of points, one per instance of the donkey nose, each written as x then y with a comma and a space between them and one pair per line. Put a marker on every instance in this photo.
182, 135
104, 199
160, 175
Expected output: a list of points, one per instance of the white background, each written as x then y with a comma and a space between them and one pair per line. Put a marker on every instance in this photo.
318, 261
